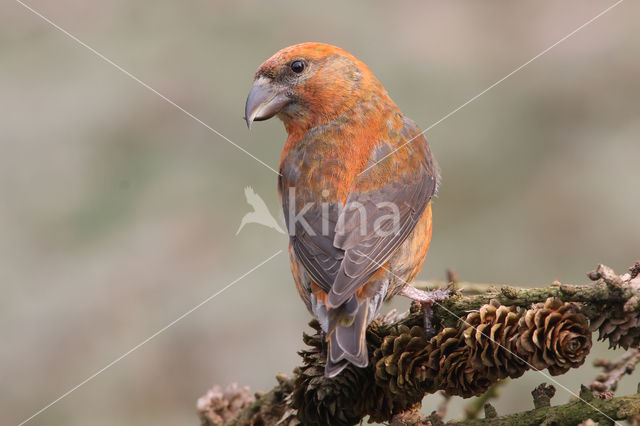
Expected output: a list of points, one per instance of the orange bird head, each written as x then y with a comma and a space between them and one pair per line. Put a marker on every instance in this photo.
309, 84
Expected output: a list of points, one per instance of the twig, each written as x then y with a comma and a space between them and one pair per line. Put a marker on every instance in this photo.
452, 278
620, 408
475, 407
607, 288
466, 288
614, 371
542, 395
444, 404
572, 413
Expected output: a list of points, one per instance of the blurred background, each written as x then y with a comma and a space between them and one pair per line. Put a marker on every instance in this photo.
118, 212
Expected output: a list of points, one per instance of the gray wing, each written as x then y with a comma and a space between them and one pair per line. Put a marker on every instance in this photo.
313, 247
368, 246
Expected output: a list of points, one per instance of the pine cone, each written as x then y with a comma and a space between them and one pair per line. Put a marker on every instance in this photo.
479, 352
461, 361
400, 362
328, 401
619, 324
489, 345
619, 327
491, 335
449, 358
218, 406
554, 335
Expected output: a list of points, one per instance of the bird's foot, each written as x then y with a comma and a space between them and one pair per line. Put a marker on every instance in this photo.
426, 300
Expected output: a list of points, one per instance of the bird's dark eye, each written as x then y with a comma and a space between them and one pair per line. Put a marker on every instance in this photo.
297, 66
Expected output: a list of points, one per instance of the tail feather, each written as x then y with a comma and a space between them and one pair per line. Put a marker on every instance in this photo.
347, 337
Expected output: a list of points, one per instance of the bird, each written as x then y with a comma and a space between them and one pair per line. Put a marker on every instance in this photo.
260, 213
356, 180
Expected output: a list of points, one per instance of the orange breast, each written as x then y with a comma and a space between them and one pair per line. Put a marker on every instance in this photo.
419, 243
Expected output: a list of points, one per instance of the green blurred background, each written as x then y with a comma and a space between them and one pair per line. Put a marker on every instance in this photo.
118, 212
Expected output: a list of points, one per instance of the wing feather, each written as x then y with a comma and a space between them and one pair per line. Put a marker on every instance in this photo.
363, 259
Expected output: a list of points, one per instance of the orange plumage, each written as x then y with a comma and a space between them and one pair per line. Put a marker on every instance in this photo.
359, 232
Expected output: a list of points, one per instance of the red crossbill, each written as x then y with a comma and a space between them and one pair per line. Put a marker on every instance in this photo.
359, 231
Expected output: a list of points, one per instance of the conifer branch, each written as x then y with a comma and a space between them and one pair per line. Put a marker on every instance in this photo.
482, 338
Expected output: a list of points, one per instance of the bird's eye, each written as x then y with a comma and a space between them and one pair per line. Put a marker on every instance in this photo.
297, 66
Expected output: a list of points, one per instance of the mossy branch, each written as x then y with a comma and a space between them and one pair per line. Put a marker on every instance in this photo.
606, 288
602, 411
482, 338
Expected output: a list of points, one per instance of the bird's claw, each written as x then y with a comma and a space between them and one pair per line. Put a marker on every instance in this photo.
426, 300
